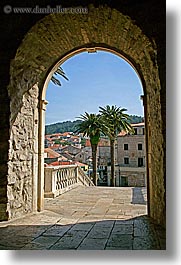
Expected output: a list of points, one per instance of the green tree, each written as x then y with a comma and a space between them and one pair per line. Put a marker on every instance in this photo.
115, 120
91, 127
57, 141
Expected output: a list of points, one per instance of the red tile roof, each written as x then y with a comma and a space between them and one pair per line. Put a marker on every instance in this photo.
87, 143
122, 133
65, 163
55, 146
141, 124
102, 142
51, 153
61, 163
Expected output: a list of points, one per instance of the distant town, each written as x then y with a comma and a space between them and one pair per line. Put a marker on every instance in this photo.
69, 148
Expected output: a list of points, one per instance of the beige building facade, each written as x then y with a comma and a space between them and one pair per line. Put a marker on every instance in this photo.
131, 158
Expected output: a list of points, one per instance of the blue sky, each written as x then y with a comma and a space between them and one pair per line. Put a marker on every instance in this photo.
95, 79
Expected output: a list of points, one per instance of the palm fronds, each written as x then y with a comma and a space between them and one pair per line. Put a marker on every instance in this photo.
59, 72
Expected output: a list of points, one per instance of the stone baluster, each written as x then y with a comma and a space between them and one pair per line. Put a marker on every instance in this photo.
60, 179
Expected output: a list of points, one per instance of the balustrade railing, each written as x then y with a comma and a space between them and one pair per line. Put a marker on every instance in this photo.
83, 178
59, 179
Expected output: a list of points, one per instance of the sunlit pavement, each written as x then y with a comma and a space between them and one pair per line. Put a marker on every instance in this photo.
87, 218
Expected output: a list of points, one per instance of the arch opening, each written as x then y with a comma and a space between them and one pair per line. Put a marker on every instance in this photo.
87, 49
137, 176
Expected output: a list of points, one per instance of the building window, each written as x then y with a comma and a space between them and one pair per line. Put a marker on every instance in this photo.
135, 131
143, 131
140, 147
126, 160
140, 161
125, 146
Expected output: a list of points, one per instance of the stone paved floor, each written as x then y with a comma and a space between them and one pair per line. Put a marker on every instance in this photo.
87, 218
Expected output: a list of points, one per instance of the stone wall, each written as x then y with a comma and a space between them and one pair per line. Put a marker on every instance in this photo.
135, 179
4, 145
138, 181
46, 43
156, 158
23, 156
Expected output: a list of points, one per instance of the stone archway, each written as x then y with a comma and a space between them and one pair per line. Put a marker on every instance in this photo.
51, 39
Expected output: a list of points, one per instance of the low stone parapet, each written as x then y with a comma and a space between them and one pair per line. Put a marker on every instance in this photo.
60, 179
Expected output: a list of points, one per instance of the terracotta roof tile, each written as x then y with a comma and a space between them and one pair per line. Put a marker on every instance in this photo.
61, 163
51, 153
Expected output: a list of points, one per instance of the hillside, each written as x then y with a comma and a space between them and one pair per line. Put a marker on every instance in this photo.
60, 127
70, 126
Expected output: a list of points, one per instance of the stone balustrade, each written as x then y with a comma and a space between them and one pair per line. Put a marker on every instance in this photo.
59, 179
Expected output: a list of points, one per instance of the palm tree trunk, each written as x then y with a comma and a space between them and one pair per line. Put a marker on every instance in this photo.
94, 163
112, 142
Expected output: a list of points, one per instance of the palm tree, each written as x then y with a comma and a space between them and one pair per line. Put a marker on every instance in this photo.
115, 120
91, 127
60, 72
